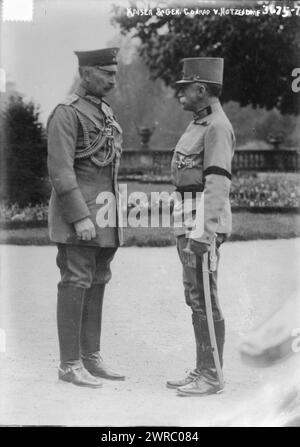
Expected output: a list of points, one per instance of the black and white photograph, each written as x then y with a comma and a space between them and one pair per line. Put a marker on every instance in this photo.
149, 216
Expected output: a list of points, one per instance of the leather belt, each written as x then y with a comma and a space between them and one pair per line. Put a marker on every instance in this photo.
193, 189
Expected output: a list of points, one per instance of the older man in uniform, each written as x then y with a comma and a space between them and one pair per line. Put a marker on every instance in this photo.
84, 148
201, 167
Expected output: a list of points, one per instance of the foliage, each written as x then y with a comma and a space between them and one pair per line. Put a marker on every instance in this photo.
135, 100
23, 154
260, 53
139, 101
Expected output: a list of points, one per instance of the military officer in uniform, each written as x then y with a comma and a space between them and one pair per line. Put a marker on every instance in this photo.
84, 148
201, 167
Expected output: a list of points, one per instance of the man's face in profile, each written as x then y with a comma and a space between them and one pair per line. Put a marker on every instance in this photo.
101, 80
189, 97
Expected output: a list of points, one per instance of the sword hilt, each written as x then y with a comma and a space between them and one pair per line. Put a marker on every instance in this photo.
187, 249
191, 257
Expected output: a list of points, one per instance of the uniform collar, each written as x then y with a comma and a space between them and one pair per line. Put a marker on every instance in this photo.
81, 91
208, 110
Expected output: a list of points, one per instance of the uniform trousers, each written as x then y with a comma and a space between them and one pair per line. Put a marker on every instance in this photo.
193, 282
84, 266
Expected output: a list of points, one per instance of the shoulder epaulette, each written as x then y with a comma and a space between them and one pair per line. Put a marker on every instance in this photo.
70, 100
67, 102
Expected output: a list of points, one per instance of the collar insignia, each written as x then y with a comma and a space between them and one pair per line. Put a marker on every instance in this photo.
202, 114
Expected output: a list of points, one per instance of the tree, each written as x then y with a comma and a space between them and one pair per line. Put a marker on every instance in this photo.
136, 99
260, 52
23, 154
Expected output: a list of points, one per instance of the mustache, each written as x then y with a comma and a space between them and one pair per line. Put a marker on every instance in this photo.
110, 87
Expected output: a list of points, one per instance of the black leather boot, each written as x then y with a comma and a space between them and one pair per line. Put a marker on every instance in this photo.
69, 314
207, 382
78, 375
91, 334
192, 375
92, 319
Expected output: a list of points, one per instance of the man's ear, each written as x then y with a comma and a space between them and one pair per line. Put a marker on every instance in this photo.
84, 73
201, 88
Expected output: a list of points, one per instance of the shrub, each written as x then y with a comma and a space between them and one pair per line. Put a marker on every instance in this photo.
23, 155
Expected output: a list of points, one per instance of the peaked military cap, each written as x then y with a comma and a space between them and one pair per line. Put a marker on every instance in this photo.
102, 58
202, 69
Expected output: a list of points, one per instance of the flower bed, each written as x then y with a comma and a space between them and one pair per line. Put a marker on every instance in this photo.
30, 213
266, 190
248, 191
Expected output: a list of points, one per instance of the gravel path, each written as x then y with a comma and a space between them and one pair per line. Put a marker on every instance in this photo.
148, 335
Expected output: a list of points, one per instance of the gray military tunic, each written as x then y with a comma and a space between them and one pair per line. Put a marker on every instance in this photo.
84, 149
202, 163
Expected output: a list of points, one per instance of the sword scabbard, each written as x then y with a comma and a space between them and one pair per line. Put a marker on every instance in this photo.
210, 321
213, 256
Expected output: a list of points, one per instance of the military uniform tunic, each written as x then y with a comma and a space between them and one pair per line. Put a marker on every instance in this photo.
202, 163
78, 172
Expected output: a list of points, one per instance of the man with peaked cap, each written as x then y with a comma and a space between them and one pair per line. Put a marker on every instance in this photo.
201, 172
84, 149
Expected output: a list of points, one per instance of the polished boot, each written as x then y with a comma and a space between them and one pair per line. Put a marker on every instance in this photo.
91, 334
207, 382
96, 366
69, 314
78, 375
192, 375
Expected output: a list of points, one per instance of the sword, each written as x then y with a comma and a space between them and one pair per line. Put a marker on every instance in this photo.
208, 267
210, 321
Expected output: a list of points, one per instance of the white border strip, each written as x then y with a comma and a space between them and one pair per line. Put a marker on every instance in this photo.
17, 10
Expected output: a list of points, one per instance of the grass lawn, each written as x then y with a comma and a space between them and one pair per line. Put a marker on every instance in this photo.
246, 226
